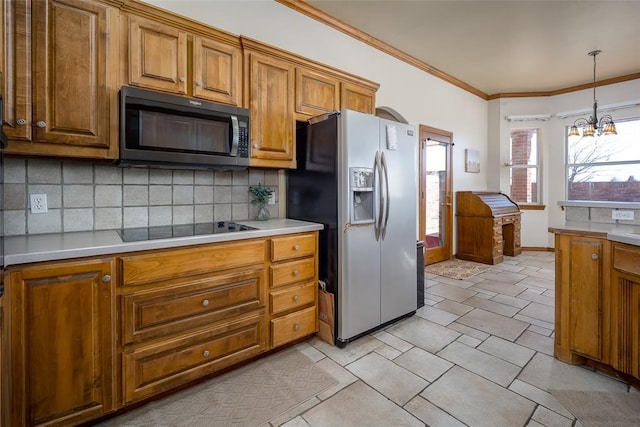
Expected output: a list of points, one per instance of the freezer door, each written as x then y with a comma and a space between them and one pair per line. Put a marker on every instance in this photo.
359, 252
399, 145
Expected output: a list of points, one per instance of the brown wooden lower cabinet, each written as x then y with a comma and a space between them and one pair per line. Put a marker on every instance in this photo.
597, 301
90, 336
625, 281
62, 342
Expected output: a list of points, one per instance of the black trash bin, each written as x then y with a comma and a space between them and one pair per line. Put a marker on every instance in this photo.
420, 266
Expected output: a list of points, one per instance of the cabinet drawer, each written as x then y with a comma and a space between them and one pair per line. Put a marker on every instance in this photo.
626, 260
293, 326
292, 247
292, 272
292, 298
188, 304
148, 370
164, 265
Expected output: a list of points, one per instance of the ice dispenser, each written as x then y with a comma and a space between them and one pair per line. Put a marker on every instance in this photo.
362, 206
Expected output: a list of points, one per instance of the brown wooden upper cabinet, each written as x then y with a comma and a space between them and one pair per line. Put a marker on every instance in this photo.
270, 84
316, 93
167, 58
357, 97
64, 102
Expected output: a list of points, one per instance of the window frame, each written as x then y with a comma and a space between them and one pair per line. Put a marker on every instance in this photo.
568, 166
538, 166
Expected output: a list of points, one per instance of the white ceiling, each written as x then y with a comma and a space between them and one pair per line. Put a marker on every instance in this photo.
505, 46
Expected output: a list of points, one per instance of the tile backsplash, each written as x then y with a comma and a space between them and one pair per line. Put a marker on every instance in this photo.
599, 214
84, 196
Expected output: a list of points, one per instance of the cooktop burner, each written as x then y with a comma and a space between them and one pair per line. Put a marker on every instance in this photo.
169, 231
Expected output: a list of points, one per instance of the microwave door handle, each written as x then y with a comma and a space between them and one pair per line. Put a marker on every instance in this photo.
235, 137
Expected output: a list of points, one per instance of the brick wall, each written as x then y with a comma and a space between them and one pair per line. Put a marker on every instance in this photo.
628, 191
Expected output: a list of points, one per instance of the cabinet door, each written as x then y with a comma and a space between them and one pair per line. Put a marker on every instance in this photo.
157, 56
586, 298
358, 98
316, 93
62, 342
15, 62
625, 330
216, 71
272, 119
73, 80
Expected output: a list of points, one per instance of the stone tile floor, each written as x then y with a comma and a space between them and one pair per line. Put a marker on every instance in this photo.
479, 353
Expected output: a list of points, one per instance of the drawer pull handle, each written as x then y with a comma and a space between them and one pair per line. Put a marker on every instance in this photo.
106, 278
296, 272
205, 354
594, 256
205, 303
296, 248
296, 327
296, 297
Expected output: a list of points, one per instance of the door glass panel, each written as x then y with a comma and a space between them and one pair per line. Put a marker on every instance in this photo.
436, 192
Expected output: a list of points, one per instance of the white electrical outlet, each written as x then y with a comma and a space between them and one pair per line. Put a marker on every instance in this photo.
626, 215
272, 198
38, 203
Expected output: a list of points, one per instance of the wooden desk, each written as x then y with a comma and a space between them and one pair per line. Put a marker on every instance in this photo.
488, 226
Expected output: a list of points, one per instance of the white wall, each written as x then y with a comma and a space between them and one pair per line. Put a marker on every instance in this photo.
535, 224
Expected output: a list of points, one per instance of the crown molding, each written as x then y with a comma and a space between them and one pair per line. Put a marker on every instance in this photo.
331, 21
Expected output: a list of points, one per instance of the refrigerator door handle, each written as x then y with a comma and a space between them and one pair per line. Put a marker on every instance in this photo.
387, 199
380, 200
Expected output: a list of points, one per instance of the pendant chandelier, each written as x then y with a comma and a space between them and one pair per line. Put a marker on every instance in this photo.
590, 126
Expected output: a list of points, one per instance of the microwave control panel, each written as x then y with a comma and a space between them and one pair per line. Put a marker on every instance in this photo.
243, 140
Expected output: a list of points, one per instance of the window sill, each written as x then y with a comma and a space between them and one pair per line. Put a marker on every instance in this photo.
532, 207
598, 204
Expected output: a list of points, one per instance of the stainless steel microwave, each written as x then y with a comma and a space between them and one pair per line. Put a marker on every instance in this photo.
164, 130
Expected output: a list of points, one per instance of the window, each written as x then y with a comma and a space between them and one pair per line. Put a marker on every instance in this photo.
525, 166
605, 168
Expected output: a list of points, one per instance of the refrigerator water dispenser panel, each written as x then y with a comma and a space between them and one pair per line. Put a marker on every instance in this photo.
362, 200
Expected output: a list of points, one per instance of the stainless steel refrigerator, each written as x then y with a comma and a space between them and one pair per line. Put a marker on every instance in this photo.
357, 175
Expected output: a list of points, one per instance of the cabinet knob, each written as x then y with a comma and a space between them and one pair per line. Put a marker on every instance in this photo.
296, 327
106, 278
199, 83
182, 79
296, 248
41, 124
205, 354
594, 256
21, 122
296, 272
205, 303
256, 146
296, 297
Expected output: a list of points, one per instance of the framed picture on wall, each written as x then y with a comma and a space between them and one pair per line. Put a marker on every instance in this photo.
471, 161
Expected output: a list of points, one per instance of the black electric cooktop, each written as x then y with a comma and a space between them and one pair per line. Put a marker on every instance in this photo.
186, 230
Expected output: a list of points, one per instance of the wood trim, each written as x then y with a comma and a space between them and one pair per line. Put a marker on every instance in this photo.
537, 249
570, 89
331, 21
531, 207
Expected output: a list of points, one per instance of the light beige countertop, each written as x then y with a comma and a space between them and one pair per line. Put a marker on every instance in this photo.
622, 233
59, 246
